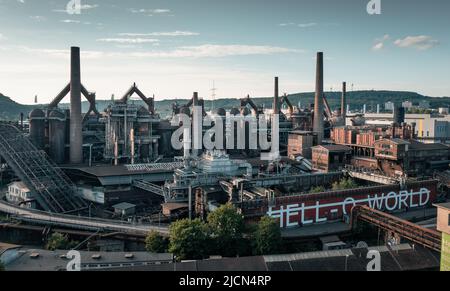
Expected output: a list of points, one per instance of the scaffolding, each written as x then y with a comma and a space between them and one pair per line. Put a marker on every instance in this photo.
52, 189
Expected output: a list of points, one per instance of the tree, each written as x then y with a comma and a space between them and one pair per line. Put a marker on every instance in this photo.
189, 239
156, 243
345, 184
58, 241
268, 236
318, 189
226, 227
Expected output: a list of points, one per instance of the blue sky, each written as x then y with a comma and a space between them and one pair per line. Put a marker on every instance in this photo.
171, 48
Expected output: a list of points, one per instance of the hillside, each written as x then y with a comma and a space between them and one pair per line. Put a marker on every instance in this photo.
10, 110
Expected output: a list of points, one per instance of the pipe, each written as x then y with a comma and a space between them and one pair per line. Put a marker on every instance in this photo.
344, 100
76, 133
318, 103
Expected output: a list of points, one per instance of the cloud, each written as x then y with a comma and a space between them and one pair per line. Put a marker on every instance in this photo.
2, 37
420, 42
70, 21
305, 25
202, 51
168, 33
82, 7
216, 51
379, 43
129, 40
301, 25
151, 12
38, 18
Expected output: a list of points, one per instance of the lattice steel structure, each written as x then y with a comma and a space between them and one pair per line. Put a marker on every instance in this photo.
52, 188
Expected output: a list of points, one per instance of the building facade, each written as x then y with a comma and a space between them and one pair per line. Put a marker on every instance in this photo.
19, 194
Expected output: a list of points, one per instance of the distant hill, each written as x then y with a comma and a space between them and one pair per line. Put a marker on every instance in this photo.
10, 110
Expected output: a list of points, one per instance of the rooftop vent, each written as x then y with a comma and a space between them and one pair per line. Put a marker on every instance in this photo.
129, 256
96, 257
34, 255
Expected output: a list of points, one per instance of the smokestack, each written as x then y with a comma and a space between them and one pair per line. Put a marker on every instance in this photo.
318, 103
76, 138
197, 133
276, 99
21, 120
344, 100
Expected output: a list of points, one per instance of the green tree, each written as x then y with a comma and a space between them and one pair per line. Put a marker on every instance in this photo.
189, 239
268, 236
58, 241
226, 226
345, 184
318, 189
156, 243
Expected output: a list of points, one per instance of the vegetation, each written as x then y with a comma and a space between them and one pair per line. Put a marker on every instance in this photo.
318, 189
156, 243
268, 237
58, 241
10, 110
419, 111
226, 228
344, 184
2, 268
189, 239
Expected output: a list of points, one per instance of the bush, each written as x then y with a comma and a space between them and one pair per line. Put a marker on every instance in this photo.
268, 237
156, 243
345, 184
58, 241
226, 227
189, 240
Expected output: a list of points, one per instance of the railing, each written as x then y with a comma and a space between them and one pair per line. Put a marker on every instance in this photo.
413, 232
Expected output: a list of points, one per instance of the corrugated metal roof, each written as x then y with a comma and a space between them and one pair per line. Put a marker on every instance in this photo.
308, 256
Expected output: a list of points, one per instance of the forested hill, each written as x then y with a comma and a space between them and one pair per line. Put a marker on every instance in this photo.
10, 110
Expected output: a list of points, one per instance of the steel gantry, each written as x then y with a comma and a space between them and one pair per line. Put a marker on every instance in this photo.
52, 189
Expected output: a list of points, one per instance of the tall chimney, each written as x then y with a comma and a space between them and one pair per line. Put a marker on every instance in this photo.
318, 103
197, 133
76, 138
344, 100
276, 99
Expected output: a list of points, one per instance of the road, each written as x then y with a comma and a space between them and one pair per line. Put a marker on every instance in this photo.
81, 223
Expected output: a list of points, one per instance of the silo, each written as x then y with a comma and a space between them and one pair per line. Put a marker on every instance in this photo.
57, 136
37, 128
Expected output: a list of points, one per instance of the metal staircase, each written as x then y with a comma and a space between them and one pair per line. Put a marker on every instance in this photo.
52, 189
149, 187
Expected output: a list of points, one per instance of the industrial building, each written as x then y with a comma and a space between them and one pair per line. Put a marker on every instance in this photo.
119, 165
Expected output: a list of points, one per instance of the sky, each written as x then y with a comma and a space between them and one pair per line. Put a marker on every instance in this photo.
172, 48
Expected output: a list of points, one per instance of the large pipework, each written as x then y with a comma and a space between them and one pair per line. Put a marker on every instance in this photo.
276, 99
344, 101
318, 103
76, 137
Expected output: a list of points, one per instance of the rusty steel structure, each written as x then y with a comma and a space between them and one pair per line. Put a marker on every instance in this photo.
52, 189
426, 237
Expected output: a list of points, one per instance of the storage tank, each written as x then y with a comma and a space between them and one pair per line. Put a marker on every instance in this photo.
57, 136
37, 128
